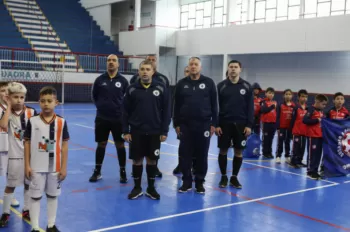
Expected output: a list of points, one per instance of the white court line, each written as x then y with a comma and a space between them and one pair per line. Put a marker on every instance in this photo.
211, 208
246, 162
77, 149
75, 109
345, 182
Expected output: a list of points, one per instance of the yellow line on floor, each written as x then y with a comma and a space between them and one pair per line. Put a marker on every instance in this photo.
19, 214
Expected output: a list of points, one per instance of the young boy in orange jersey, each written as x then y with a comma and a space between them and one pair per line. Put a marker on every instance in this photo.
284, 117
257, 105
268, 118
313, 119
46, 152
298, 129
15, 121
4, 136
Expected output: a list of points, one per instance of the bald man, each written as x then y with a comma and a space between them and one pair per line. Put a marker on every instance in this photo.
108, 94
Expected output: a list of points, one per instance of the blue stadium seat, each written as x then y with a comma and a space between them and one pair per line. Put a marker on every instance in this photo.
76, 27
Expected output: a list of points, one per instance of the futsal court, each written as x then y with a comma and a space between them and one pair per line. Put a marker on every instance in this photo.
274, 197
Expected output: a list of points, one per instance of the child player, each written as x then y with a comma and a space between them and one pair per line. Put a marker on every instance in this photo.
46, 151
268, 118
14, 121
257, 105
4, 137
313, 119
336, 112
298, 129
284, 117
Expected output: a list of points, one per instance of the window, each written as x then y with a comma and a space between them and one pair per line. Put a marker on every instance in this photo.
338, 5
271, 4
241, 13
218, 13
219, 3
324, 9
260, 10
271, 15
293, 12
282, 8
195, 15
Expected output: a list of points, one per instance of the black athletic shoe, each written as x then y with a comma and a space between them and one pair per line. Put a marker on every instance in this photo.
135, 193
234, 182
123, 178
185, 187
223, 182
314, 176
158, 174
177, 170
152, 193
200, 188
302, 165
5, 218
95, 176
52, 229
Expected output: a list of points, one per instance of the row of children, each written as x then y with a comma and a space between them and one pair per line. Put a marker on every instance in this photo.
33, 150
296, 121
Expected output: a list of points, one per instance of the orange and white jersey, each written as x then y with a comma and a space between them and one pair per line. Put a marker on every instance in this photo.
16, 129
4, 141
46, 140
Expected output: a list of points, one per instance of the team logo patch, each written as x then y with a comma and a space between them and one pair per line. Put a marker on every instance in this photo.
242, 91
18, 134
156, 152
243, 143
344, 143
296, 139
47, 146
206, 134
281, 134
118, 85
202, 86
314, 146
156, 93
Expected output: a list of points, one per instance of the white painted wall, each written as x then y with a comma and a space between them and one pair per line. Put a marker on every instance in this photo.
318, 72
168, 13
316, 34
102, 15
140, 42
94, 3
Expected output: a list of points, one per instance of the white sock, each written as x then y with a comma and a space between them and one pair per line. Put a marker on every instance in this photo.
34, 213
51, 211
26, 205
7, 202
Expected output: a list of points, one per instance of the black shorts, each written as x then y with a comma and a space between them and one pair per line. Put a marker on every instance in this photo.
103, 127
144, 146
232, 133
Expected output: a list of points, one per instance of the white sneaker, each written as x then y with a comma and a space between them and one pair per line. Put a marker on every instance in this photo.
288, 160
278, 160
14, 202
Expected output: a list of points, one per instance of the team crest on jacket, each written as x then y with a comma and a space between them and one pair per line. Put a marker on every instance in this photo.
202, 86
156, 152
242, 91
118, 84
156, 93
206, 134
344, 143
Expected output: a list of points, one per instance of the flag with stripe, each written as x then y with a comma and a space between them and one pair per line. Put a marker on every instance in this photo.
336, 146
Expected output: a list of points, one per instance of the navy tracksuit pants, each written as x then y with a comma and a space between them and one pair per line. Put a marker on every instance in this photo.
299, 145
284, 138
315, 154
256, 126
194, 143
269, 130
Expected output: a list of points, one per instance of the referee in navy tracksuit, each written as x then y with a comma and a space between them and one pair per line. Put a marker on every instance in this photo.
146, 122
157, 76
236, 119
108, 94
195, 119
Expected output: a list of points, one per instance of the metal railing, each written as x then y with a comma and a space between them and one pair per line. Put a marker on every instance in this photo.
74, 61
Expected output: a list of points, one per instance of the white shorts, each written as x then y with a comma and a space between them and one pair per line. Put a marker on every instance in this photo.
4, 160
15, 173
44, 182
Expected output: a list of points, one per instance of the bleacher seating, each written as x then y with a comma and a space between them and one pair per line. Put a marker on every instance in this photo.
75, 26
10, 35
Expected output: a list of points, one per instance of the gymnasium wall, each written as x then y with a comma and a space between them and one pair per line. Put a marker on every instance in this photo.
303, 35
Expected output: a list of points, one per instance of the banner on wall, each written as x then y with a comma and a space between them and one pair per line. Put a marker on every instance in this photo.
336, 147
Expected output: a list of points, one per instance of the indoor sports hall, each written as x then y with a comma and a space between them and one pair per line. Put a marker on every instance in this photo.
283, 44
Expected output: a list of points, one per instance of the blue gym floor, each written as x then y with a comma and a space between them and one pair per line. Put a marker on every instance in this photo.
274, 197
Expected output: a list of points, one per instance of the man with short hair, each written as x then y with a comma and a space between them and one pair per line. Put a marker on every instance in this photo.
108, 94
236, 119
195, 119
146, 120
157, 76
